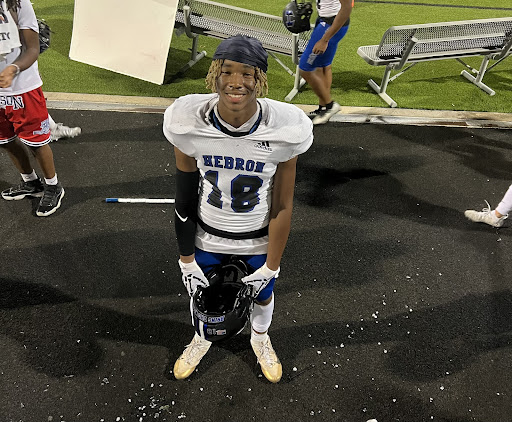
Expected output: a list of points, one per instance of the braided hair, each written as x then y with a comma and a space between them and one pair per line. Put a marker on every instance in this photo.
215, 71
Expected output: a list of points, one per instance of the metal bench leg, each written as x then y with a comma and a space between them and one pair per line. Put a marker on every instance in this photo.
298, 84
194, 57
477, 80
381, 89
280, 62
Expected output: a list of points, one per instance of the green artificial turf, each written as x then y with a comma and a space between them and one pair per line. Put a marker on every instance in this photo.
430, 85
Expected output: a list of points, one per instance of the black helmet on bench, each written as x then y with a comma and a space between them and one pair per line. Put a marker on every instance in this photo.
296, 16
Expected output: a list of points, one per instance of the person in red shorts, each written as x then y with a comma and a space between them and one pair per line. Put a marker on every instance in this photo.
24, 122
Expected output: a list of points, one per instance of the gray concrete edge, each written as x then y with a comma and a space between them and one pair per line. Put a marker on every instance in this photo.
378, 115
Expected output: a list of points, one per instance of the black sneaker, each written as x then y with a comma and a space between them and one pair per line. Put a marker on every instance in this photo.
33, 188
50, 201
318, 111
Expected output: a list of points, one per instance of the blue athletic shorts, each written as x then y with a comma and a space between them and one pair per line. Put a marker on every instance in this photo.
308, 60
207, 260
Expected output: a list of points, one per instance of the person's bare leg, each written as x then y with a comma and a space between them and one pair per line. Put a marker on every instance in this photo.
328, 79
19, 156
44, 157
320, 83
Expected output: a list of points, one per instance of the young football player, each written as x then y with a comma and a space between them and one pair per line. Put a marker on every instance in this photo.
236, 160
495, 217
24, 124
315, 63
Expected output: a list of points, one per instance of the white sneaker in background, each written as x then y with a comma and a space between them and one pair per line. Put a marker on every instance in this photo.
487, 216
324, 115
59, 131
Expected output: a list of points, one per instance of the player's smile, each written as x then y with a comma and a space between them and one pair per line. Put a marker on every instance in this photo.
235, 98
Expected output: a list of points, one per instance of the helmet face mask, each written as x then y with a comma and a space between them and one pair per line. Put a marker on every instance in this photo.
221, 310
296, 16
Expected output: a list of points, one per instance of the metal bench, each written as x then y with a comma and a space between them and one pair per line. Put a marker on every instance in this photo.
412, 44
204, 17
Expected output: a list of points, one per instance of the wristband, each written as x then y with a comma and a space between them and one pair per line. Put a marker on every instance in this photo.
18, 70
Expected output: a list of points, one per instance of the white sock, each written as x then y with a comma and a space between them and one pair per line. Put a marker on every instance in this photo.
199, 339
52, 181
258, 337
29, 177
261, 318
505, 206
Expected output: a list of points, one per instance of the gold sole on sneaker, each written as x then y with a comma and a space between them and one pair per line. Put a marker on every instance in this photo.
180, 373
275, 376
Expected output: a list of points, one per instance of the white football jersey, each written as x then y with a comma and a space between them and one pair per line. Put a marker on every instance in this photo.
328, 8
236, 172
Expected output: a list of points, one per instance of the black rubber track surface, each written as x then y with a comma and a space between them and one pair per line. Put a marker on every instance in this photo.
390, 305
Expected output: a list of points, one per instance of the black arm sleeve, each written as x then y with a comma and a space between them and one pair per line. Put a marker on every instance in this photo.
185, 218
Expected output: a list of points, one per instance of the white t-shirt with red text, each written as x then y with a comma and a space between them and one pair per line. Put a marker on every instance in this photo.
28, 79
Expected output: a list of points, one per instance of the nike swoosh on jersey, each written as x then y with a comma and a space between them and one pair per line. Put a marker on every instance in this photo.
184, 220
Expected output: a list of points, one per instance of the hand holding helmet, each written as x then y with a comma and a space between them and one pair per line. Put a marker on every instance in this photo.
221, 310
259, 279
192, 276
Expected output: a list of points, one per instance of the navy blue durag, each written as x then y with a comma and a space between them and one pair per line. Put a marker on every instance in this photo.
243, 49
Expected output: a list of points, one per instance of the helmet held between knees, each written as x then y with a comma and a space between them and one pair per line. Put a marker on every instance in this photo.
221, 310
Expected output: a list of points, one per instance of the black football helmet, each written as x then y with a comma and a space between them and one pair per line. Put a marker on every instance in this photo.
221, 310
296, 16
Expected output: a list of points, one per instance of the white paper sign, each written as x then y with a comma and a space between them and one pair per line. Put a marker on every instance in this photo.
125, 36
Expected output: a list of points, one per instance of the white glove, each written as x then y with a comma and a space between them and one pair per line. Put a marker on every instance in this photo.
192, 276
259, 279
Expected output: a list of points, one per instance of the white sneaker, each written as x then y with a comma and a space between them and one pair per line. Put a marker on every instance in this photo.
487, 216
60, 131
268, 360
191, 356
324, 115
